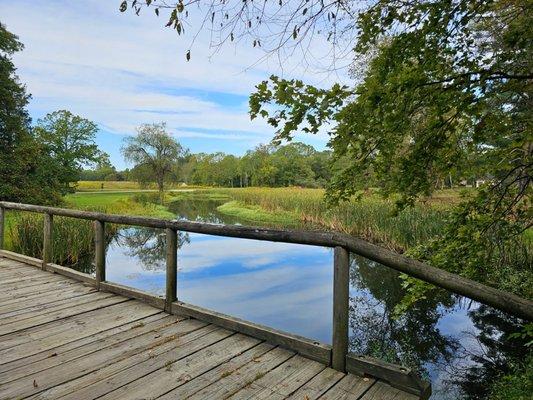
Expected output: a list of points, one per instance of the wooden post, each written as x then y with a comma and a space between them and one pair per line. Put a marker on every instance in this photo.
2, 226
99, 255
172, 268
48, 239
341, 292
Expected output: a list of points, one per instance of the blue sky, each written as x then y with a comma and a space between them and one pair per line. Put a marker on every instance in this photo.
121, 70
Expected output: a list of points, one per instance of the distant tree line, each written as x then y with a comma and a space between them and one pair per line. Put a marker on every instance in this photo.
156, 157
294, 164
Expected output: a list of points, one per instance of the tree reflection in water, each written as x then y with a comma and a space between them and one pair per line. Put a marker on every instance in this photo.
493, 355
148, 245
413, 339
461, 366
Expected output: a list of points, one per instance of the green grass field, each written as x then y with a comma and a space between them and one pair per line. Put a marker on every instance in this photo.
372, 218
85, 186
84, 200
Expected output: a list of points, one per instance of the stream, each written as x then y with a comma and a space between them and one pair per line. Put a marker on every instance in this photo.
451, 340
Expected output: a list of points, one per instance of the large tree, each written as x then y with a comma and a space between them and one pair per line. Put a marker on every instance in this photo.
440, 86
155, 154
25, 175
70, 139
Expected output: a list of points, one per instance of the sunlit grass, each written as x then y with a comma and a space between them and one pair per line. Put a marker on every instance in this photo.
83, 186
372, 218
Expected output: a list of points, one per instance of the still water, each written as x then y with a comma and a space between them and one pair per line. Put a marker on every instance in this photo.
452, 341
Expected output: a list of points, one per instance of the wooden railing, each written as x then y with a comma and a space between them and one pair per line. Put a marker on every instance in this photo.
336, 355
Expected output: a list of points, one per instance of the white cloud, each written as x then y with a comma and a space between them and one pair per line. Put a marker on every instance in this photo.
268, 283
121, 70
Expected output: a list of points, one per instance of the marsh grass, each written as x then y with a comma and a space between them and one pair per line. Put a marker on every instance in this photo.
73, 239
372, 218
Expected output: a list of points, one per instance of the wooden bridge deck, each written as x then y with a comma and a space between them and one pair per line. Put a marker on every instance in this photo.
60, 338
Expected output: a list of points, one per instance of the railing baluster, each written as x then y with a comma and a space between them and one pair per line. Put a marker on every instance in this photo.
48, 233
2, 226
172, 268
99, 255
341, 292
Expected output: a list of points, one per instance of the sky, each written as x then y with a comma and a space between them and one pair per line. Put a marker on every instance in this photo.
121, 70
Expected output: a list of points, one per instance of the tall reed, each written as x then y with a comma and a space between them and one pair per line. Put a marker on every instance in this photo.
73, 239
372, 217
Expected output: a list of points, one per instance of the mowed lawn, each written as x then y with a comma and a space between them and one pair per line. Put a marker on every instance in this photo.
84, 200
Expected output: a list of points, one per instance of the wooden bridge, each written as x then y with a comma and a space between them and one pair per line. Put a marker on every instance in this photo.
65, 334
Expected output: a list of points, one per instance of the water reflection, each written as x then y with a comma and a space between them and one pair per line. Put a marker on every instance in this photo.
148, 245
413, 339
201, 210
488, 357
459, 345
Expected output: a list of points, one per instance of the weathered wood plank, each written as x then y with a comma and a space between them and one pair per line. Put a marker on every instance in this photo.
47, 308
48, 294
230, 383
65, 353
30, 304
18, 323
317, 386
69, 272
350, 387
109, 378
8, 265
133, 293
222, 371
22, 278
53, 283
72, 346
83, 307
96, 360
400, 377
30, 261
309, 348
382, 391
178, 372
44, 337
281, 381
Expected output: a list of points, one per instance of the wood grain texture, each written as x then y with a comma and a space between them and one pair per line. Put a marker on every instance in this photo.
341, 297
99, 253
66, 340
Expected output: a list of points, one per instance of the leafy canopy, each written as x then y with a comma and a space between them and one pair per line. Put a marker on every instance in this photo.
24, 163
154, 153
443, 90
70, 141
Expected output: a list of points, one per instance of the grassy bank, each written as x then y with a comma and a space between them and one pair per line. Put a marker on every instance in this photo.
372, 218
74, 238
129, 203
257, 214
84, 186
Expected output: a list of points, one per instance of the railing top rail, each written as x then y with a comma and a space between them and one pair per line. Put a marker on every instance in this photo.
501, 300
